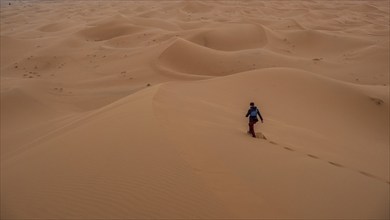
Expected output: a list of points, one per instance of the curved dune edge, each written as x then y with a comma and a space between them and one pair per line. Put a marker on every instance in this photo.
232, 37
203, 61
201, 158
135, 109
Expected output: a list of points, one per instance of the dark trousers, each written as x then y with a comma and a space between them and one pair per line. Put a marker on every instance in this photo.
252, 122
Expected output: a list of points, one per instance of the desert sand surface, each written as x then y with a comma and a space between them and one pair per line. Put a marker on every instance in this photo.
136, 109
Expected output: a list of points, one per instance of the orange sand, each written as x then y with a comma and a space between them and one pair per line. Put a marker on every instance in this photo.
135, 109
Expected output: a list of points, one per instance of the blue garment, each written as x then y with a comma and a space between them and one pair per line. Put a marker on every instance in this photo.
253, 112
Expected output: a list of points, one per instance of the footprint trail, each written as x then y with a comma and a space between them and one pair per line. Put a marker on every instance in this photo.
312, 156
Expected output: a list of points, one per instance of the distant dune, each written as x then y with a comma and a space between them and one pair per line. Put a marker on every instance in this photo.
135, 109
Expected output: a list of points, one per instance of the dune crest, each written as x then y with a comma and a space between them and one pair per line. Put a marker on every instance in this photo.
136, 109
109, 28
232, 37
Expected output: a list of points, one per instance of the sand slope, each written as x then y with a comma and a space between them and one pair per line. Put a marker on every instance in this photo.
135, 109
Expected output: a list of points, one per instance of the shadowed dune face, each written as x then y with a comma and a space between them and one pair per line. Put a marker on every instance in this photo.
135, 109
187, 57
109, 30
232, 37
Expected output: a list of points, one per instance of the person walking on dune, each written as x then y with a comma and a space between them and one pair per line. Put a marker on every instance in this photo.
252, 113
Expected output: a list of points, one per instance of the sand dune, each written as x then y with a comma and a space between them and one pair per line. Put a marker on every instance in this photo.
318, 43
135, 109
232, 37
95, 33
